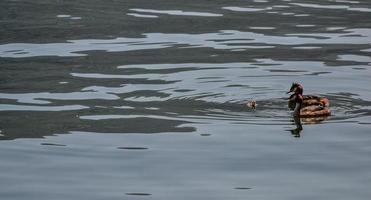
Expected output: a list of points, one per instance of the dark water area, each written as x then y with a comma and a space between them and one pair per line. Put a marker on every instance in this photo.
146, 99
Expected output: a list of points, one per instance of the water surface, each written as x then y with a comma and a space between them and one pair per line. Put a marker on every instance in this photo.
139, 100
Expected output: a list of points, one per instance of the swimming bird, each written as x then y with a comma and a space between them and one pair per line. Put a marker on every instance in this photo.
251, 104
307, 105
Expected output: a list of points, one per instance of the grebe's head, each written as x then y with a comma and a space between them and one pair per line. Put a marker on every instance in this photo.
296, 88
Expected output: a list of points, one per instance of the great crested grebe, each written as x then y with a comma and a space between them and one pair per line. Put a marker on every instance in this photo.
307, 105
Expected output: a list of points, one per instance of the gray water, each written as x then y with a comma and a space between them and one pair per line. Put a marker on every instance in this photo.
142, 99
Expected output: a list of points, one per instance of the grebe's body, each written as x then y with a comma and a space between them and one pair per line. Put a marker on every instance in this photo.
309, 100
307, 105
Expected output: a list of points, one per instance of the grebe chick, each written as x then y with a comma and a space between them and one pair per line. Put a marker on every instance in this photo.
251, 104
307, 105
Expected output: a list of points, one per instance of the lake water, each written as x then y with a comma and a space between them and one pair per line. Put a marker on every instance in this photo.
139, 99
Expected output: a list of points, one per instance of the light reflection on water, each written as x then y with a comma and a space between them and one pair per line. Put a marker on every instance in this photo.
122, 100
226, 40
176, 12
345, 7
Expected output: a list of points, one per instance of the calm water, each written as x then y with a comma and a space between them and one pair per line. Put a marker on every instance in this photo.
139, 99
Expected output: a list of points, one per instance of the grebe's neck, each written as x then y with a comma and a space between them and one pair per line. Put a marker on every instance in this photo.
298, 103
297, 109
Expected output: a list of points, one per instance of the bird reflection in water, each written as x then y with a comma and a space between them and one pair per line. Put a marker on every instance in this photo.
296, 131
298, 123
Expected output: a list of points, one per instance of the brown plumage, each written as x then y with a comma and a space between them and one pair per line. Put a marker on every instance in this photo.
307, 105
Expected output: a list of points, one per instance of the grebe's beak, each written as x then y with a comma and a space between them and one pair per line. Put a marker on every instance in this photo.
289, 92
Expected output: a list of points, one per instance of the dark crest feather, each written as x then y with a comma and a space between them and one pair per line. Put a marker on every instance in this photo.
296, 85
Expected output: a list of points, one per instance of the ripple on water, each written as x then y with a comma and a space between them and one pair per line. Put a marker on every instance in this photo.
243, 188
342, 7
307, 47
138, 194
226, 40
347, 1
176, 12
305, 25
354, 58
63, 16
142, 15
35, 98
11, 107
133, 148
246, 9
53, 144
262, 28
